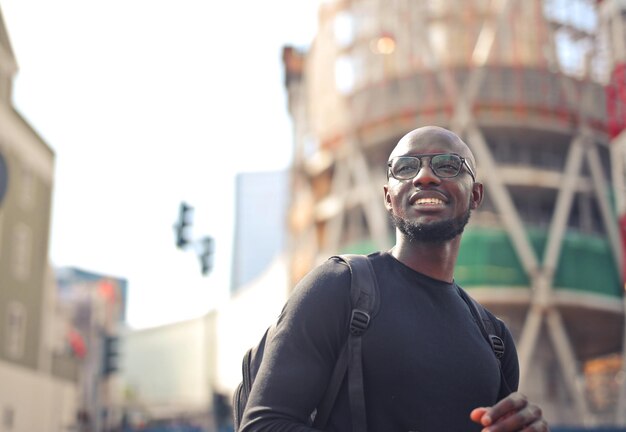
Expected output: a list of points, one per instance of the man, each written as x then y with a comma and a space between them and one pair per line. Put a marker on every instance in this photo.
426, 366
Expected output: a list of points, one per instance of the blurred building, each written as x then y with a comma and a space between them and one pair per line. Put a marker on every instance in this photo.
94, 306
259, 282
538, 91
261, 209
168, 373
187, 371
38, 370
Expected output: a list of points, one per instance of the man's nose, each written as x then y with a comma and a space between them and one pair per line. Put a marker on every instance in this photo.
425, 175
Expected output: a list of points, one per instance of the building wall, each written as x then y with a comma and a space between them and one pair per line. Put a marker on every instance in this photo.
165, 368
24, 234
261, 207
35, 401
38, 391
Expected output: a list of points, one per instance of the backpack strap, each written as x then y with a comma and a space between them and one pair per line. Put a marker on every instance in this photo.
365, 301
491, 331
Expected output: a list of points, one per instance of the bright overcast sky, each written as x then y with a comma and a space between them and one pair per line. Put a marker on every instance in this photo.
147, 103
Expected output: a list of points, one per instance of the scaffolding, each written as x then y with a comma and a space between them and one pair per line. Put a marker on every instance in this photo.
538, 90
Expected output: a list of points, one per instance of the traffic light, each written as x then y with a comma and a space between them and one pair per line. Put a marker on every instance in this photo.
206, 255
183, 225
203, 247
110, 351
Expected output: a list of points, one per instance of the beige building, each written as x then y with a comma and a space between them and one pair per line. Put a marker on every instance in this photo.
37, 374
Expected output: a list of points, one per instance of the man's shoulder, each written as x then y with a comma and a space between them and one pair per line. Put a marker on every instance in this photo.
333, 276
372, 256
326, 278
379, 260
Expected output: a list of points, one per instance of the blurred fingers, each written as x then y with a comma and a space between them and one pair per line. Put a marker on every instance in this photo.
528, 419
511, 404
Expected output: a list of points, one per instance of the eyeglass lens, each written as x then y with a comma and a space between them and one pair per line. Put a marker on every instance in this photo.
444, 166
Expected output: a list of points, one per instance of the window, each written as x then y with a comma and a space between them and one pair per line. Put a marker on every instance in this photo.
16, 329
22, 251
344, 74
27, 188
343, 29
4, 178
8, 414
1, 229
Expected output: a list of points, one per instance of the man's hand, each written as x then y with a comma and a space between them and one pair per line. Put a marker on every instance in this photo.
512, 414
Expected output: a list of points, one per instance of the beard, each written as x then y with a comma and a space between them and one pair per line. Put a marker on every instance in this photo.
435, 232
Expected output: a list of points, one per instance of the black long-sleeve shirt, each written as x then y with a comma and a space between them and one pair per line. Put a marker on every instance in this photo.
425, 363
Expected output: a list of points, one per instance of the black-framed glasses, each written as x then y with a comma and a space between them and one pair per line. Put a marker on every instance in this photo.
444, 165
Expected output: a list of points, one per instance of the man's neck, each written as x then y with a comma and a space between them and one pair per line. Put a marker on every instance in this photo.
436, 260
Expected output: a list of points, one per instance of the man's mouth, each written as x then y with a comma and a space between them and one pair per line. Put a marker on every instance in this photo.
429, 201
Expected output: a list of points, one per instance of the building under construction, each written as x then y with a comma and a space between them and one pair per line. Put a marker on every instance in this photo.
538, 91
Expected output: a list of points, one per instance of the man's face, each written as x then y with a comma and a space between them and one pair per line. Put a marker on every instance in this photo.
427, 207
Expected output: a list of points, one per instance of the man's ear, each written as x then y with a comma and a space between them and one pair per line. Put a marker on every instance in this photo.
387, 198
477, 195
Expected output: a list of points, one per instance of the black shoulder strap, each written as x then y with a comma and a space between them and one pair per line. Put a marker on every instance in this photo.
365, 300
491, 331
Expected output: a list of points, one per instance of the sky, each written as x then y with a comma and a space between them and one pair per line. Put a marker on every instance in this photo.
148, 103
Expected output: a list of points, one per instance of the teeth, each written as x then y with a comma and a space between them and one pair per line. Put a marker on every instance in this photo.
429, 201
